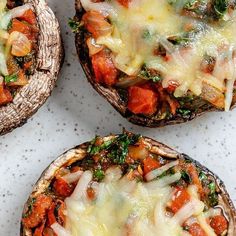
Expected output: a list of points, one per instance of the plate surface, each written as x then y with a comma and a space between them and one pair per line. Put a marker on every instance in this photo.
74, 113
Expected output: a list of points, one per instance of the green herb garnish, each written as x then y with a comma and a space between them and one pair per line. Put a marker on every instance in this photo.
99, 174
117, 148
74, 25
184, 112
220, 7
10, 78
146, 74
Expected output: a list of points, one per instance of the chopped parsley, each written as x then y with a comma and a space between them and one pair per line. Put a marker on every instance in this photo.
10, 78
117, 148
74, 25
146, 74
99, 174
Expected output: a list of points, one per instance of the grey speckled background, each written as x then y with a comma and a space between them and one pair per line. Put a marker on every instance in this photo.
74, 113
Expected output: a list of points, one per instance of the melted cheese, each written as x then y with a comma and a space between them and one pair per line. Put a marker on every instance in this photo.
124, 207
138, 30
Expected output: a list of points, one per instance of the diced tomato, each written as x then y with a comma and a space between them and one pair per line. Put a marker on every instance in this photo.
5, 95
57, 208
48, 232
51, 214
62, 188
29, 17
172, 85
90, 193
39, 210
23, 28
125, 3
142, 100
96, 24
180, 198
196, 230
104, 68
192, 171
150, 164
39, 231
27, 65
219, 224
61, 212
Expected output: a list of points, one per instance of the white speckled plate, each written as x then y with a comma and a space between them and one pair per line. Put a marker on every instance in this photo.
74, 113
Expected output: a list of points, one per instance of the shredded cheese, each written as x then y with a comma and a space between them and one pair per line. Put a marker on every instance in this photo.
125, 207
139, 28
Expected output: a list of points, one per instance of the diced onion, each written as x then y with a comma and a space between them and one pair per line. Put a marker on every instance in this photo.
102, 7
229, 93
81, 188
112, 174
157, 172
59, 230
72, 177
93, 47
19, 44
193, 208
213, 212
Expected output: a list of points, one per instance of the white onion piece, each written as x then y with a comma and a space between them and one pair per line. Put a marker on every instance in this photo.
112, 174
103, 7
192, 208
59, 230
14, 13
81, 188
3, 64
157, 172
164, 181
213, 212
229, 93
72, 177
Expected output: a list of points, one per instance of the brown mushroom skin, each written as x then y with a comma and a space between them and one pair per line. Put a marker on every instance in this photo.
115, 99
49, 59
79, 153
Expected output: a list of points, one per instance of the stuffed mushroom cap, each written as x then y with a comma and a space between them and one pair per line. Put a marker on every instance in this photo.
126, 164
143, 97
48, 60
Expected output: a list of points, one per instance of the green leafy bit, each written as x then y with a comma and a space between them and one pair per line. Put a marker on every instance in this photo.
146, 34
146, 74
30, 208
99, 174
119, 148
185, 176
94, 149
10, 78
184, 112
220, 7
74, 25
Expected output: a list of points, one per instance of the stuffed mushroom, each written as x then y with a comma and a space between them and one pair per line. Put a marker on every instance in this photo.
128, 185
30, 58
159, 62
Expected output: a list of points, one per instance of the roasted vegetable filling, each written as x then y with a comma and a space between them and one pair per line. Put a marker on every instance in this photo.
124, 186
18, 46
161, 53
